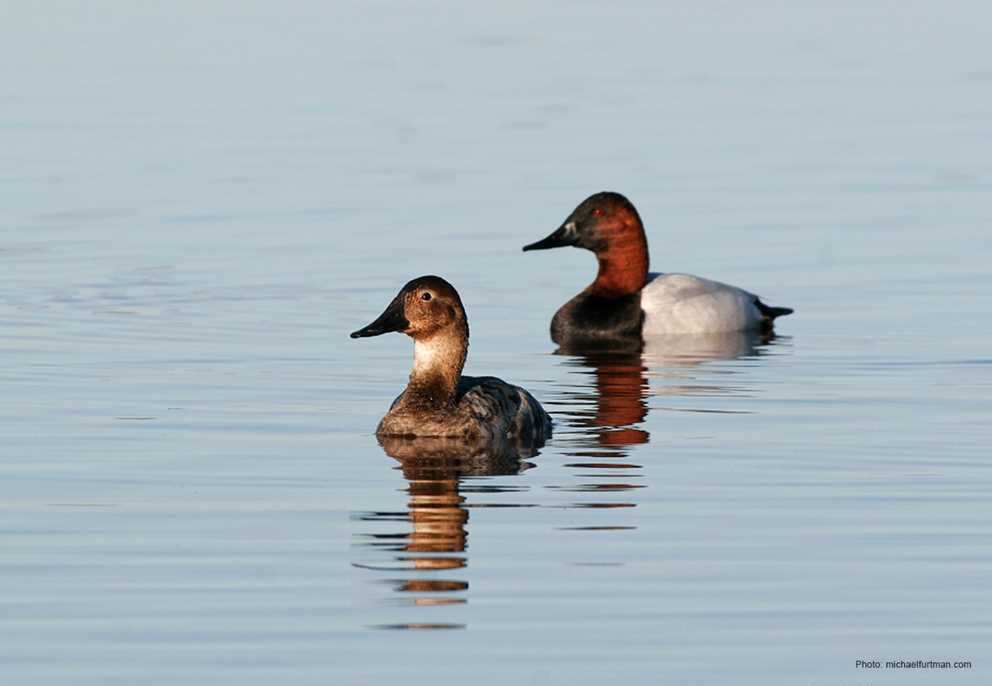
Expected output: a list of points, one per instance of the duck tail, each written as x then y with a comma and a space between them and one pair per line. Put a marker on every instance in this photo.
769, 312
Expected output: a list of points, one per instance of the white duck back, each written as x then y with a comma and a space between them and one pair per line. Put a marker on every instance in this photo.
687, 304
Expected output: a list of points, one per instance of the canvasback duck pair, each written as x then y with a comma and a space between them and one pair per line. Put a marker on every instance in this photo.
626, 303
438, 400
622, 307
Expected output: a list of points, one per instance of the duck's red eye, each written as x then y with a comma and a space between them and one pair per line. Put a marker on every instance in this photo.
598, 212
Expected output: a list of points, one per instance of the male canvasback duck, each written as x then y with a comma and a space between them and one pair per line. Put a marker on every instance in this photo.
438, 400
626, 304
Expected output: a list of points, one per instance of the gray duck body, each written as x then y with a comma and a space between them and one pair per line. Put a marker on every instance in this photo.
484, 407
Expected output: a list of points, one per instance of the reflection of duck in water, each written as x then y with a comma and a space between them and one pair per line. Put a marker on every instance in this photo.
438, 400
456, 457
690, 350
434, 468
620, 392
622, 379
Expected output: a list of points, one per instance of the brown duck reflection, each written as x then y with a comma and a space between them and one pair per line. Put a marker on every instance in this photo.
609, 417
620, 389
438, 513
604, 413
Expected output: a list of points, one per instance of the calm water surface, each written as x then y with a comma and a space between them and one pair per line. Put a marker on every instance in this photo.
199, 203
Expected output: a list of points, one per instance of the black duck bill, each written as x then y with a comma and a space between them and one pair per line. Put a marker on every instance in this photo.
564, 235
392, 319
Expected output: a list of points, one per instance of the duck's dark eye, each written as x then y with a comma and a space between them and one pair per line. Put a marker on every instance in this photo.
598, 212
425, 296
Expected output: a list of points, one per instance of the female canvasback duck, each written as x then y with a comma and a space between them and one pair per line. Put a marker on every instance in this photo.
625, 303
438, 400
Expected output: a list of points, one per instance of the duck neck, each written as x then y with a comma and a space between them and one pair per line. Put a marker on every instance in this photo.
438, 361
623, 263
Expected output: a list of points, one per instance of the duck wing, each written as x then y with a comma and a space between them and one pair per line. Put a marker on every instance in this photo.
507, 408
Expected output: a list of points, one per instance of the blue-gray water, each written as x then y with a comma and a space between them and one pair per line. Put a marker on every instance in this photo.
199, 201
